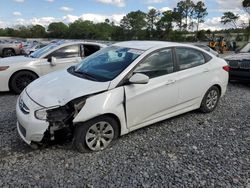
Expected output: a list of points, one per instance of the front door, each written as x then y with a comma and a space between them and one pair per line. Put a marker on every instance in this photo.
145, 102
65, 57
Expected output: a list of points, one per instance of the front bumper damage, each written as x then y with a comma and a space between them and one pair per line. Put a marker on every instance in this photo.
58, 122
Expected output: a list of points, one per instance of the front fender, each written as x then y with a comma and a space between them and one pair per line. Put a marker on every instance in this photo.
109, 102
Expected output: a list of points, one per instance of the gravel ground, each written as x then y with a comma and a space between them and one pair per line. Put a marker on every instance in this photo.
191, 150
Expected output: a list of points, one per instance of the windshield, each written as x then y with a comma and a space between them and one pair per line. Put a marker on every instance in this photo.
246, 48
107, 63
39, 53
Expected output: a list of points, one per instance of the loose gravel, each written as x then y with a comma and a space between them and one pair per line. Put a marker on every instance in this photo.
191, 150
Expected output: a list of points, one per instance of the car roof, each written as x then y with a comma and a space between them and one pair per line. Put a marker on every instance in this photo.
146, 45
66, 43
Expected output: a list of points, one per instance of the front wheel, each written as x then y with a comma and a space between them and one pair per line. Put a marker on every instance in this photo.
96, 134
210, 100
20, 80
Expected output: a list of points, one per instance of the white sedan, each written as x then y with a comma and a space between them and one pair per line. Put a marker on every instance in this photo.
17, 72
119, 89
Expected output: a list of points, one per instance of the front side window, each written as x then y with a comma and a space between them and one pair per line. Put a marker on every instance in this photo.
66, 52
157, 64
189, 58
106, 64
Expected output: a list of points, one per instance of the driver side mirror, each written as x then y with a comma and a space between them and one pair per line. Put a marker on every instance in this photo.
139, 78
52, 61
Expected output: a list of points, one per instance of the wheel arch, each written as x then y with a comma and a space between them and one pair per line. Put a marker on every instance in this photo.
12, 49
218, 86
115, 117
14, 73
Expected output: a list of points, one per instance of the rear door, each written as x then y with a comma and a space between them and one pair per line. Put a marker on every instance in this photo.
145, 102
194, 75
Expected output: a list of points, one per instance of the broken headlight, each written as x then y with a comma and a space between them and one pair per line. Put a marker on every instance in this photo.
42, 113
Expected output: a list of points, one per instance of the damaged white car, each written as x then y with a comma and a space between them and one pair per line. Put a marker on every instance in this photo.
119, 89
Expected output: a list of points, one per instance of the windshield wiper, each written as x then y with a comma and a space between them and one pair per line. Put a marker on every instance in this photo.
86, 75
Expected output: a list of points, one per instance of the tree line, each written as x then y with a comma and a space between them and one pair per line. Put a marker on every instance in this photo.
170, 25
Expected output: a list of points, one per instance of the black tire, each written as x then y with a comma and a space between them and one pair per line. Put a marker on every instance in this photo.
8, 52
210, 100
84, 143
20, 80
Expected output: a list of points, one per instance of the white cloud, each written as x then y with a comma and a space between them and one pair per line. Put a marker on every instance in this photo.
96, 18
19, 1
164, 9
50, 1
66, 9
226, 4
2, 24
118, 3
154, 1
45, 21
151, 7
17, 14
215, 24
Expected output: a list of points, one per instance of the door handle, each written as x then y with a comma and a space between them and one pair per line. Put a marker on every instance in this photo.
206, 70
170, 82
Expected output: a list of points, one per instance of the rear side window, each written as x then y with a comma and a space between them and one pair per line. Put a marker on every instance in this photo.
157, 64
188, 58
90, 49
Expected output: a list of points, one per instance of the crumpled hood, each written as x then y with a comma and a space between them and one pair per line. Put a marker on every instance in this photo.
60, 87
7, 61
239, 56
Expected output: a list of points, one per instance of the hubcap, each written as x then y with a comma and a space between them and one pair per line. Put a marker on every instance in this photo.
99, 136
212, 99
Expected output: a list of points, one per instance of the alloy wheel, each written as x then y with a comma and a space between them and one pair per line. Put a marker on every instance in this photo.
212, 99
99, 136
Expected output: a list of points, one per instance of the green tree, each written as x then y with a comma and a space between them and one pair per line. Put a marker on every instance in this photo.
186, 9
133, 23
230, 18
37, 31
177, 17
152, 18
165, 25
80, 29
57, 30
200, 12
246, 5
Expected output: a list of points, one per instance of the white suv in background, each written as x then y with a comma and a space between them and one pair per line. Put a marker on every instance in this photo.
118, 89
17, 72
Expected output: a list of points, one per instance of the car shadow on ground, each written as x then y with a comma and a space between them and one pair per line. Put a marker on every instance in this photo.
6, 93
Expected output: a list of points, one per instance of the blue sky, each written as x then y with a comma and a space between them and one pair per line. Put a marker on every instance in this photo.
26, 12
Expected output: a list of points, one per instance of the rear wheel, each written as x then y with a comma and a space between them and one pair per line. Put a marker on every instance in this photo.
20, 80
96, 134
8, 53
210, 100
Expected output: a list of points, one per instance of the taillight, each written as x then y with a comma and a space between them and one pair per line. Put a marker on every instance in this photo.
226, 68
20, 45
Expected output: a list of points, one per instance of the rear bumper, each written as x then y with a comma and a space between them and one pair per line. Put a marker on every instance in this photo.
239, 74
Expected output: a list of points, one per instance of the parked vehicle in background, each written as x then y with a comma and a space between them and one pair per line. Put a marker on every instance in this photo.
17, 72
207, 48
33, 47
240, 64
11, 49
118, 89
